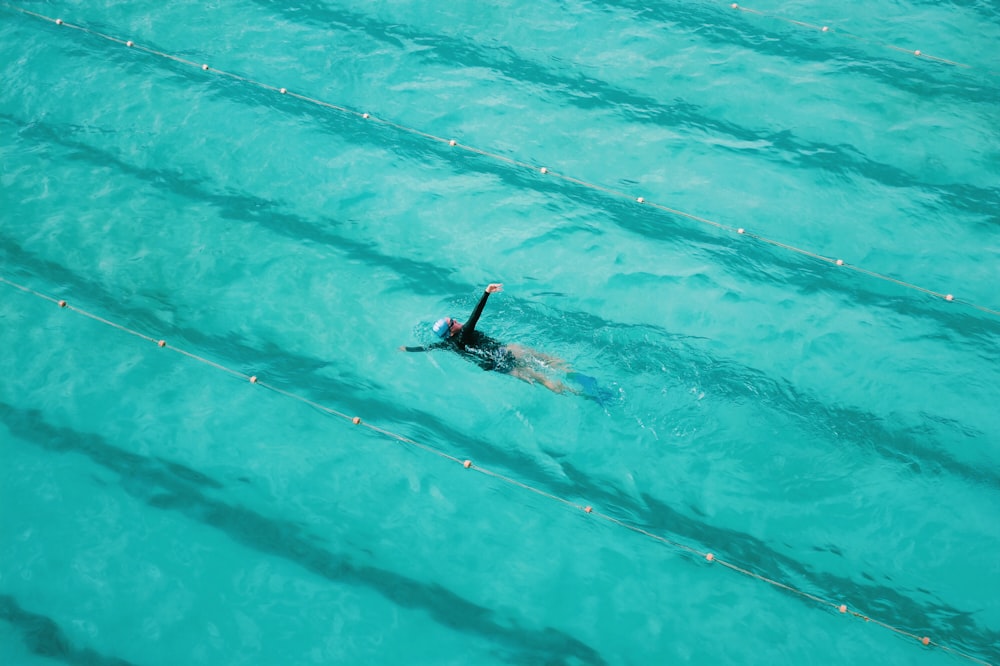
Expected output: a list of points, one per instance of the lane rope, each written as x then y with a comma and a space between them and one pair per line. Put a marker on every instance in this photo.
740, 231
468, 464
875, 42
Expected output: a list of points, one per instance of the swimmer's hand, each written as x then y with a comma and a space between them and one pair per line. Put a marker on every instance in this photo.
493, 288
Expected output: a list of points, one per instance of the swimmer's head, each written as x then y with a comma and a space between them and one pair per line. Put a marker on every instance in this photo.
446, 327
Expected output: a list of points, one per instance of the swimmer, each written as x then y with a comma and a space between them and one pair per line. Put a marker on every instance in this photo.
490, 354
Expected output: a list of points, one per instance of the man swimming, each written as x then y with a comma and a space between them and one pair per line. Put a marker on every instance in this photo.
490, 354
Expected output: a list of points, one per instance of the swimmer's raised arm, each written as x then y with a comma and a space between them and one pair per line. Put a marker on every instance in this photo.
470, 326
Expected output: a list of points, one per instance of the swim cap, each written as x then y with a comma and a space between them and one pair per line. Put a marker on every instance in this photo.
441, 327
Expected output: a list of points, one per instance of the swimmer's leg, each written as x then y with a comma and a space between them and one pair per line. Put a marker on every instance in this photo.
520, 353
531, 376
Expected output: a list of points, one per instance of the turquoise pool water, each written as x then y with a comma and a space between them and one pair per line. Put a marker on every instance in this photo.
827, 430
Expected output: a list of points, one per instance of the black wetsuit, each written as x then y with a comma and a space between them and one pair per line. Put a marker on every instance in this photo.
486, 352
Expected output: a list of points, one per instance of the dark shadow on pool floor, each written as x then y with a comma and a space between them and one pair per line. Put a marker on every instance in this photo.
722, 26
44, 637
318, 379
161, 486
747, 260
